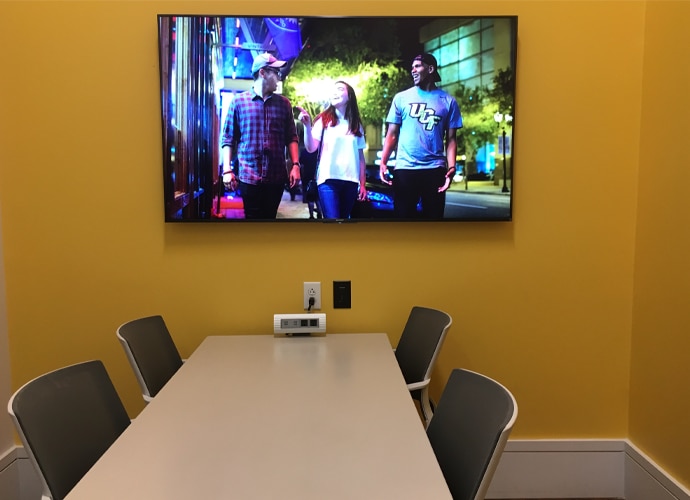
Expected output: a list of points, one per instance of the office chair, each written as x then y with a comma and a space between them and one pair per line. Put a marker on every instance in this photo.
469, 431
66, 420
417, 350
151, 352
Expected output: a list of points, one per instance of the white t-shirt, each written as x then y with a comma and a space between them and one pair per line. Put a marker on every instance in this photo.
340, 152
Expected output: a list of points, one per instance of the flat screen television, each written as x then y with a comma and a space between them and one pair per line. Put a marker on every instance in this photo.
205, 62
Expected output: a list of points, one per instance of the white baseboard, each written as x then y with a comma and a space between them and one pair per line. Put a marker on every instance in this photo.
581, 469
528, 469
10, 455
645, 480
9, 475
18, 479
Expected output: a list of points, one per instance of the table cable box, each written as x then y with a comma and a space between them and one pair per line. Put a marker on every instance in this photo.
299, 324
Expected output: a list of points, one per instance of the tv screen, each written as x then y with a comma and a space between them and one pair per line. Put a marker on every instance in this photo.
249, 104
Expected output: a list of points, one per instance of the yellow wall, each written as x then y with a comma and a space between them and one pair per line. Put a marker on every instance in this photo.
544, 303
660, 375
6, 433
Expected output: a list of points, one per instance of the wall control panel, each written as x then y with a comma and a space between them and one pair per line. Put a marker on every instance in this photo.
299, 324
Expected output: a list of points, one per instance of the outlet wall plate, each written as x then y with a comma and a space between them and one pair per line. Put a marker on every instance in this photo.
299, 324
312, 289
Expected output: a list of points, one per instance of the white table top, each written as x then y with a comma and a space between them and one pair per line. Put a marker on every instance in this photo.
258, 417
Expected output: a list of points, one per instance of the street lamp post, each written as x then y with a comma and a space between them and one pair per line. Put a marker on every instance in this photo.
504, 189
500, 117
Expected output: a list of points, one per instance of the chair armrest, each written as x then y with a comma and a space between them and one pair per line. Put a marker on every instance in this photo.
415, 386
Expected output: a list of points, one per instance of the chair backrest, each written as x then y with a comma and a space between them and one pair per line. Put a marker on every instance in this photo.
469, 431
66, 420
151, 351
420, 342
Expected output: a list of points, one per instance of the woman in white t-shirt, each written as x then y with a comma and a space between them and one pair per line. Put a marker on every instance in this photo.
341, 171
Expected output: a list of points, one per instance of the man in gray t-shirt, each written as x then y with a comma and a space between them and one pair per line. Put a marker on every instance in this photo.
423, 121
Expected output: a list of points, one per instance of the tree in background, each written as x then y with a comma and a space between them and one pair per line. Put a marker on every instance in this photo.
502, 90
365, 54
502, 95
478, 106
478, 125
311, 85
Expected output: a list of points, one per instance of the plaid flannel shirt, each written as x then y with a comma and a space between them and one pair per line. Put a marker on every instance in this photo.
258, 132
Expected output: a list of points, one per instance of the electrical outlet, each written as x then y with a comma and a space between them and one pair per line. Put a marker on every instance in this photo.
299, 324
312, 289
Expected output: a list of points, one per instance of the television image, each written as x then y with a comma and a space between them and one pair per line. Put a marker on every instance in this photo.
206, 62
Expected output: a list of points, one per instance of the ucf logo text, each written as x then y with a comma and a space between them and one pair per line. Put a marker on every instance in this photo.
425, 116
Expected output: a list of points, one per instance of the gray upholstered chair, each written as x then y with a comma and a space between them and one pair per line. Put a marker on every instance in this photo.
151, 352
66, 420
417, 350
469, 431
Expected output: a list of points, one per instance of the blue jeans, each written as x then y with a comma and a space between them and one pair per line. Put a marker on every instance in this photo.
337, 198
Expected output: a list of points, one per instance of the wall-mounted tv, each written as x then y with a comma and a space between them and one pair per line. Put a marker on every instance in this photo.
220, 119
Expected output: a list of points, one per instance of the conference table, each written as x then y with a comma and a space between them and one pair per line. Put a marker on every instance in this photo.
263, 417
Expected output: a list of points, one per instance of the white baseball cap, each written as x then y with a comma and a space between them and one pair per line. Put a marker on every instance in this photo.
266, 59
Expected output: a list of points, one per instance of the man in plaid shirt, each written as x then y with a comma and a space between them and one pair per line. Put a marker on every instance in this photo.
258, 128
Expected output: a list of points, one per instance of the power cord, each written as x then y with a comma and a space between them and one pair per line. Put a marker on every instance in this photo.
311, 303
